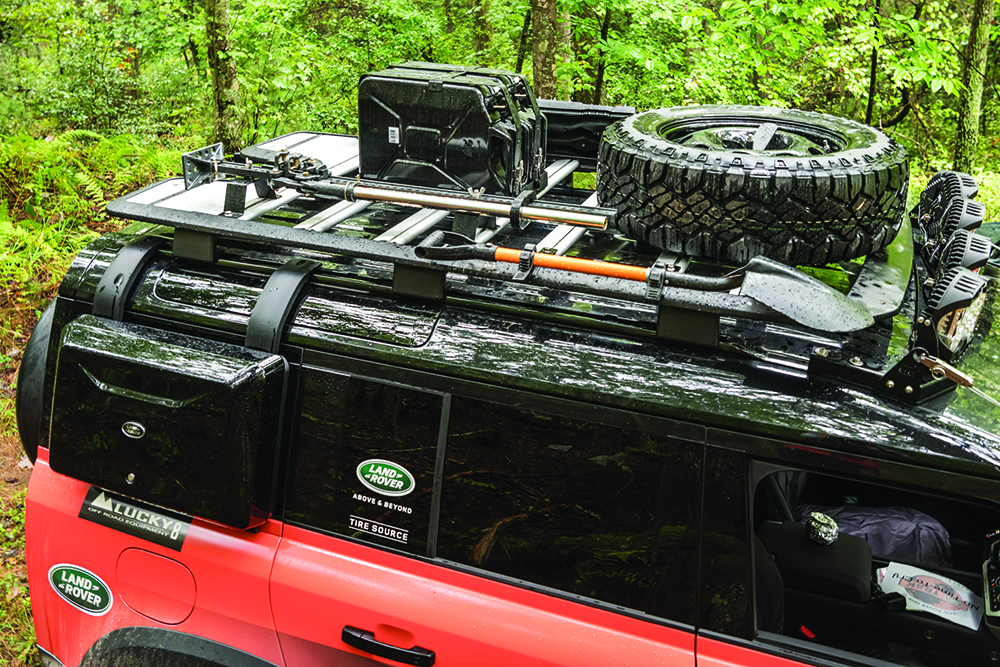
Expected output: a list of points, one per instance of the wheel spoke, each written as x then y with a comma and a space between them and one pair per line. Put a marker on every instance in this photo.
762, 137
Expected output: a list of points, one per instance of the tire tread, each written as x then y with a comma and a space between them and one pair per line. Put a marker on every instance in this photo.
732, 207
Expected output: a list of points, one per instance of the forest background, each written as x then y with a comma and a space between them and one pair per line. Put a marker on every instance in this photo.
98, 97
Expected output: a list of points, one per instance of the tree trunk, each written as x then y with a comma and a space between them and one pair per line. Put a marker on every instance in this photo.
973, 68
599, 79
482, 31
566, 55
524, 41
587, 56
192, 48
225, 85
449, 22
591, 56
873, 71
872, 80
545, 33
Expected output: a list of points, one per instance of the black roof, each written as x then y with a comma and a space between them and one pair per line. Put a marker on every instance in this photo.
557, 333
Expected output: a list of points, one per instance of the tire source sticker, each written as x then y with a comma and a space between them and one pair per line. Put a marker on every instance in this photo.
153, 524
393, 533
385, 477
81, 588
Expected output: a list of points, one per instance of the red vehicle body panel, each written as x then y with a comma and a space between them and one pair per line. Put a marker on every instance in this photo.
229, 569
713, 653
321, 584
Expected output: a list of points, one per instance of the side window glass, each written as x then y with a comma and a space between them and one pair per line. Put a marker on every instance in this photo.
364, 464
892, 574
590, 509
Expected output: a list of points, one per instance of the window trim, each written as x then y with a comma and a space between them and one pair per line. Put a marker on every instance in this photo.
795, 650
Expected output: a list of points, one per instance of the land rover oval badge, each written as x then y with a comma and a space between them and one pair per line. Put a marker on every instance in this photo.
81, 588
134, 430
385, 477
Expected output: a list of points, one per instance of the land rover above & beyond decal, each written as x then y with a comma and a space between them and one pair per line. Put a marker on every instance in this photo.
81, 588
379, 508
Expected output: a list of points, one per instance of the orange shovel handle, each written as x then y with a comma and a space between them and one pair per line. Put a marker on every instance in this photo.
575, 264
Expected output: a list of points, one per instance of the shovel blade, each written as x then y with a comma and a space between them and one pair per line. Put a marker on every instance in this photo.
803, 298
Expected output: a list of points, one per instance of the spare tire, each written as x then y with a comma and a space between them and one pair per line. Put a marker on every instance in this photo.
729, 183
31, 383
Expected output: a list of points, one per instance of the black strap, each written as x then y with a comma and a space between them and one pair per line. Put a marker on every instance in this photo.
122, 275
523, 199
655, 279
526, 263
276, 303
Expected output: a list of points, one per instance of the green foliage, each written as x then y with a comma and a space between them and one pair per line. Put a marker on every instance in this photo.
989, 192
34, 254
52, 197
17, 632
98, 66
70, 178
299, 62
141, 67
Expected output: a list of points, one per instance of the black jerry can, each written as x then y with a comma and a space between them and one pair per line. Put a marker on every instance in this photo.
451, 127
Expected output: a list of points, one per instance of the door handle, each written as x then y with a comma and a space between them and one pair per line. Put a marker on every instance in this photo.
364, 640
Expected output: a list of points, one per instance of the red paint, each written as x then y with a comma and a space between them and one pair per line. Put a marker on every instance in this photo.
159, 588
231, 568
714, 653
322, 583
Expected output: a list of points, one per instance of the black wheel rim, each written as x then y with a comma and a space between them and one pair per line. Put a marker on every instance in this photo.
774, 137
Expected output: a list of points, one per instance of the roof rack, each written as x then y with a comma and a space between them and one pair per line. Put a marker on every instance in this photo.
300, 189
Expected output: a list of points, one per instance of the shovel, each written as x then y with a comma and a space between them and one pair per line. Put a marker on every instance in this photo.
799, 297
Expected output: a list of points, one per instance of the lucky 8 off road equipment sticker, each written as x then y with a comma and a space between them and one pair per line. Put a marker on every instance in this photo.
81, 588
154, 524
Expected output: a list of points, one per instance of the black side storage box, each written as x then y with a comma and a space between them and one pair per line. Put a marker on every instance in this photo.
452, 127
177, 421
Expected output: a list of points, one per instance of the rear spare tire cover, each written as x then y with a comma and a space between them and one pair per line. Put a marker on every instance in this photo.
730, 183
31, 383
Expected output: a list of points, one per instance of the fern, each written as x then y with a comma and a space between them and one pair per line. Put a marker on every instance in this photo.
80, 137
91, 186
